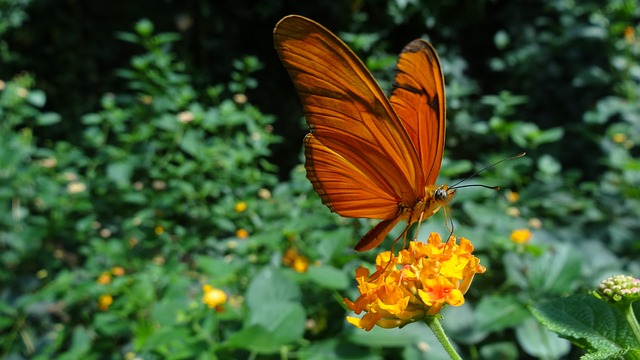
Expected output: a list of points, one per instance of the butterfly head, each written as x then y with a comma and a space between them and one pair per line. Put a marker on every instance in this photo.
443, 194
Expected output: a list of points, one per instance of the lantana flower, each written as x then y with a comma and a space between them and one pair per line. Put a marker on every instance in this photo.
521, 236
415, 284
293, 259
619, 288
104, 278
213, 298
104, 302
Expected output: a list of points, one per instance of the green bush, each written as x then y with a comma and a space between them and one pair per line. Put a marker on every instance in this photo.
113, 221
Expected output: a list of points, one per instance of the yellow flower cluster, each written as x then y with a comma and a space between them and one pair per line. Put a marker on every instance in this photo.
240, 206
415, 284
213, 298
521, 236
104, 302
295, 260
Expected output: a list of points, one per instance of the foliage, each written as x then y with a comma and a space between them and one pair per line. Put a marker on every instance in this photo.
590, 324
114, 218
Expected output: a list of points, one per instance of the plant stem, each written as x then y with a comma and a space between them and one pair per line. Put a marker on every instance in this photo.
438, 331
633, 322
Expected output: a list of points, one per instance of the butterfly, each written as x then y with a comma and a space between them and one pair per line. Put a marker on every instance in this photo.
368, 156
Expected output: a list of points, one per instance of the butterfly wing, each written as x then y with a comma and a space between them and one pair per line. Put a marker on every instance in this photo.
360, 159
419, 100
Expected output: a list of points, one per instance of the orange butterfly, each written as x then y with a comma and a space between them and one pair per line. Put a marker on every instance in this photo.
368, 156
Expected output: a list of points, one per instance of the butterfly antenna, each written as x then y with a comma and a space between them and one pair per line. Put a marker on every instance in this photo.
455, 186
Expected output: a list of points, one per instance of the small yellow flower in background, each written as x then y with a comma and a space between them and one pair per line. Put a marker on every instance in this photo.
159, 230
138, 185
512, 196
117, 270
70, 177
158, 185
105, 233
294, 260
213, 298
513, 211
240, 206
133, 241
535, 223
146, 99
240, 98
22, 92
629, 34
76, 187
104, 302
185, 117
47, 162
42, 274
415, 284
619, 138
242, 234
104, 278
264, 194
158, 260
521, 236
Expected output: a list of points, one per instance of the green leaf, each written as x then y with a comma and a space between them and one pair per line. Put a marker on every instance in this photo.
549, 136
460, 323
276, 317
269, 330
255, 338
109, 324
540, 342
37, 98
218, 270
501, 350
549, 165
557, 271
80, 344
590, 323
379, 337
455, 168
92, 119
191, 142
335, 349
144, 27
269, 286
120, 172
328, 277
168, 339
495, 313
48, 118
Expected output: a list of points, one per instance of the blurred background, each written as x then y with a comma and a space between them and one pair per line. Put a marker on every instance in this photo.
154, 205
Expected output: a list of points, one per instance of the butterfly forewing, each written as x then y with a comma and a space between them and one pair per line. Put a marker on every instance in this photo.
360, 158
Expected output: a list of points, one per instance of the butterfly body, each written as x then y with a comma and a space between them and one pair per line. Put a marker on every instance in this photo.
368, 156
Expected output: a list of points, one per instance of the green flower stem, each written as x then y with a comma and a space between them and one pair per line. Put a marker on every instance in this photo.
438, 331
633, 322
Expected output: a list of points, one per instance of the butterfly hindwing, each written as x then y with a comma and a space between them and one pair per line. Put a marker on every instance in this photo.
418, 98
